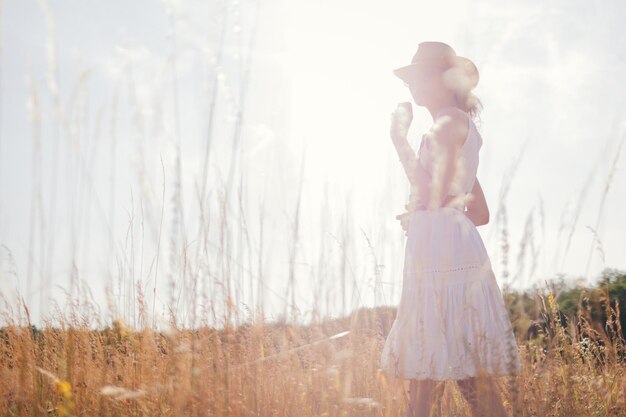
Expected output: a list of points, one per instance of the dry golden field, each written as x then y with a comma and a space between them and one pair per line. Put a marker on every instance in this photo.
327, 369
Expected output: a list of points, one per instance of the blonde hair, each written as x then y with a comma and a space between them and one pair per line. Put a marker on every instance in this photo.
469, 102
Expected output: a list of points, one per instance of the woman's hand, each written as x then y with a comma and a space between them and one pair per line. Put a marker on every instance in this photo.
401, 120
477, 209
404, 221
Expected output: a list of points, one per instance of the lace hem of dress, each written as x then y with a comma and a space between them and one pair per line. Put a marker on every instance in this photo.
458, 375
452, 268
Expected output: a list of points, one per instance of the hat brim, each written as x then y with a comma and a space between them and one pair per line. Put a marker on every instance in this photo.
467, 69
408, 72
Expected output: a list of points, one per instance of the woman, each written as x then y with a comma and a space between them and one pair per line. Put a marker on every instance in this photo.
451, 323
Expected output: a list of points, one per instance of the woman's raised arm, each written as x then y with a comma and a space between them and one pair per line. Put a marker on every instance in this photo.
401, 119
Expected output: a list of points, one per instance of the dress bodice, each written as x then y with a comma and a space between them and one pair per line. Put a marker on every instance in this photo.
466, 164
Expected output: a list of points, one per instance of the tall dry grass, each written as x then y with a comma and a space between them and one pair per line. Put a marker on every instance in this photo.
280, 369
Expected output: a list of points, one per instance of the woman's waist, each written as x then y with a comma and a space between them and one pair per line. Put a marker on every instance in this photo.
451, 201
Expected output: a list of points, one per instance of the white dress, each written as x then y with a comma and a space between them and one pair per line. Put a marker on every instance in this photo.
451, 322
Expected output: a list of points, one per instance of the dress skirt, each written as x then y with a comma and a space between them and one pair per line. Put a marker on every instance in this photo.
451, 322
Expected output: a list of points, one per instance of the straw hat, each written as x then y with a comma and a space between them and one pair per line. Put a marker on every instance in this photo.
459, 73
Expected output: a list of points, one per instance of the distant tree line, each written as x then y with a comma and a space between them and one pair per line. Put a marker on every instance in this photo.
602, 306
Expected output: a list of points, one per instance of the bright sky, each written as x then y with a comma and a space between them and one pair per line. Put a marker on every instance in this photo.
135, 83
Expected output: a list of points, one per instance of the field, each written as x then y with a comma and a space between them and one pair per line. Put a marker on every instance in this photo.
174, 175
325, 369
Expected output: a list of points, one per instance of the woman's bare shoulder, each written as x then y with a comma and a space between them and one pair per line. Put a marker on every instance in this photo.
451, 126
